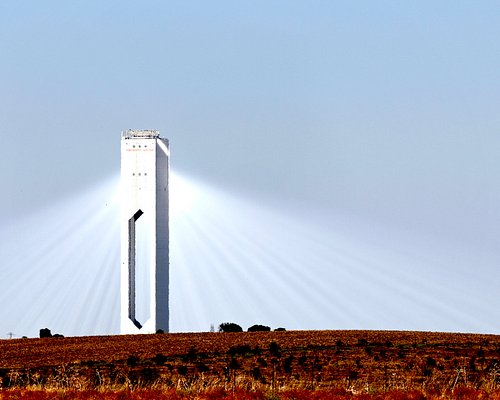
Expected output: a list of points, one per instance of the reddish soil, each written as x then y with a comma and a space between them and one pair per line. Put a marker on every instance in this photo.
354, 361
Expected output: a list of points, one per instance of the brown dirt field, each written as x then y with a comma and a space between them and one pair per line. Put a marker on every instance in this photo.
354, 361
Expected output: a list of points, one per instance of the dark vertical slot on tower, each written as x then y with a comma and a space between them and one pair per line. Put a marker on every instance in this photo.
131, 267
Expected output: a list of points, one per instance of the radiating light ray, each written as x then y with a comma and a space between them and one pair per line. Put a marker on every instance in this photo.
236, 260
55, 260
365, 273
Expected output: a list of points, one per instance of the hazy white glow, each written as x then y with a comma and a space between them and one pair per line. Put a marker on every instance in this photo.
61, 267
253, 264
183, 195
233, 259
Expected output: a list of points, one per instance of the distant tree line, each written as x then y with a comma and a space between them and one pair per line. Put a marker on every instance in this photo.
224, 327
232, 327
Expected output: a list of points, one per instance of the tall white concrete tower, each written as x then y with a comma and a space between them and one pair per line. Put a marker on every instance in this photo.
144, 232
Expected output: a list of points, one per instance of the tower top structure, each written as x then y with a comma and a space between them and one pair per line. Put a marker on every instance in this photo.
140, 134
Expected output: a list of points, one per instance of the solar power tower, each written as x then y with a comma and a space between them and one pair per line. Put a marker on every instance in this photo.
144, 232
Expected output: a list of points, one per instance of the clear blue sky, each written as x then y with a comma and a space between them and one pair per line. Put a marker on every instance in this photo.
384, 110
381, 107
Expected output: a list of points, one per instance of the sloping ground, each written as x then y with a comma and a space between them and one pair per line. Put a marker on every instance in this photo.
367, 361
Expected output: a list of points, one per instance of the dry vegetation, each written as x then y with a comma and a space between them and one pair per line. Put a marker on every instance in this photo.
258, 365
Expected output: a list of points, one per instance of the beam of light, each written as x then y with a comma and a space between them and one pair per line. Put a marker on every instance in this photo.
57, 266
237, 260
254, 264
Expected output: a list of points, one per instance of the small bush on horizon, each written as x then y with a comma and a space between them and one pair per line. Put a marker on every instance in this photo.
230, 327
259, 328
45, 333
